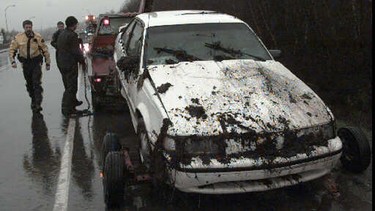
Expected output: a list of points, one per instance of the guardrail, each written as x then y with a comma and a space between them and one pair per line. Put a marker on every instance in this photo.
3, 50
4, 47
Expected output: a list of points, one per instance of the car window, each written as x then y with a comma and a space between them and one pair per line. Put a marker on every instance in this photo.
126, 35
210, 41
135, 40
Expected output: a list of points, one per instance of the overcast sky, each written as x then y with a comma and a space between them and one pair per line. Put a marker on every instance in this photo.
46, 13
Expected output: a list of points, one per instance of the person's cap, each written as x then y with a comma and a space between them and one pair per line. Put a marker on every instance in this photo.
71, 21
26, 22
60, 23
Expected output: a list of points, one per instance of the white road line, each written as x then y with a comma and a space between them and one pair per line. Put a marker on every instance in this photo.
62, 192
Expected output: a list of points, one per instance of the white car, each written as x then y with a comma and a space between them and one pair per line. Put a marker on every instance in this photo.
215, 113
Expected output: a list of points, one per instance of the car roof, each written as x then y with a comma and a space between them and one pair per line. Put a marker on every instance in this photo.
118, 15
178, 17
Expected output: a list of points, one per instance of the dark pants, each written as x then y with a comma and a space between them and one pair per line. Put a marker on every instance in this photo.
32, 72
60, 69
70, 78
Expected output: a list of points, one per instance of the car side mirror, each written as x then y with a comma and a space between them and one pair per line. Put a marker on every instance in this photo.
275, 53
128, 63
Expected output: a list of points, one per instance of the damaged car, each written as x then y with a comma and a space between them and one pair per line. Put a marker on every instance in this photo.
214, 111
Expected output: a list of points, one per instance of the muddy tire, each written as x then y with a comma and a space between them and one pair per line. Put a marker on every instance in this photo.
144, 145
356, 155
114, 179
111, 143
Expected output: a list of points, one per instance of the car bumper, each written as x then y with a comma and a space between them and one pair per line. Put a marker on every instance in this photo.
250, 175
104, 86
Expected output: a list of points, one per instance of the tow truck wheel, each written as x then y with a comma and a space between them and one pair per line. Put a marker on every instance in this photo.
114, 179
144, 145
356, 155
111, 143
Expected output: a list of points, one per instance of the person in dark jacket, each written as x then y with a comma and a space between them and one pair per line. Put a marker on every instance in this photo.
60, 28
69, 55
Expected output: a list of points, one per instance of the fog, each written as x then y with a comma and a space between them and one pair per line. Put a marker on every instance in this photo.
46, 13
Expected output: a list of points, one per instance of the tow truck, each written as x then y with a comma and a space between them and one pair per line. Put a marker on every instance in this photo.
105, 89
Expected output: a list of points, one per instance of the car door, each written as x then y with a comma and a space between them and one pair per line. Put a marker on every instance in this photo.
132, 39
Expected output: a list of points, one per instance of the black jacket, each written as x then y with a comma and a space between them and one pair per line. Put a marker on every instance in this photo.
54, 38
69, 52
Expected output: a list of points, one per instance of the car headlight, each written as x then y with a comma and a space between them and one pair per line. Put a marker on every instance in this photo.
192, 145
200, 146
329, 130
322, 132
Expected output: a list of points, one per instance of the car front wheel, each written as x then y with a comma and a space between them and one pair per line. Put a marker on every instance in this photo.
356, 155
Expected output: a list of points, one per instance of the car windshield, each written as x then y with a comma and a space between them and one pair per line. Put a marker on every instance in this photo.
113, 27
213, 41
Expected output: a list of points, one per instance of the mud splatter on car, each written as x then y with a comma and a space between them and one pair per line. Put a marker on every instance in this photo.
239, 121
163, 88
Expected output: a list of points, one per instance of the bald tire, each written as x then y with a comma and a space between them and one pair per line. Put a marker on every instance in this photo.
114, 179
356, 154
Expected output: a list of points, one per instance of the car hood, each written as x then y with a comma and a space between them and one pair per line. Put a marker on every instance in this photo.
210, 98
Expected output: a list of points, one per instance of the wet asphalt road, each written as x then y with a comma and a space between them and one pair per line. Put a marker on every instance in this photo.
31, 149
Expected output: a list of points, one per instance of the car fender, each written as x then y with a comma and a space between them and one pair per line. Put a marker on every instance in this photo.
147, 119
152, 120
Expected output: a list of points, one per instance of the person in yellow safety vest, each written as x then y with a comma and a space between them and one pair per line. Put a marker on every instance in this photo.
30, 48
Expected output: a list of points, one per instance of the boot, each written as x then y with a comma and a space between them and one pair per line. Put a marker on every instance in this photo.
71, 112
78, 103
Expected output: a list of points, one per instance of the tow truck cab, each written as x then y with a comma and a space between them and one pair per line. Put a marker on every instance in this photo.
105, 89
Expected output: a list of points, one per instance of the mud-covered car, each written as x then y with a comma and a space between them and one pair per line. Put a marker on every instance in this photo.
214, 112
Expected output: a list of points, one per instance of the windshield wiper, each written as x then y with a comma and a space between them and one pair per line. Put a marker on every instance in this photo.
181, 55
230, 51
